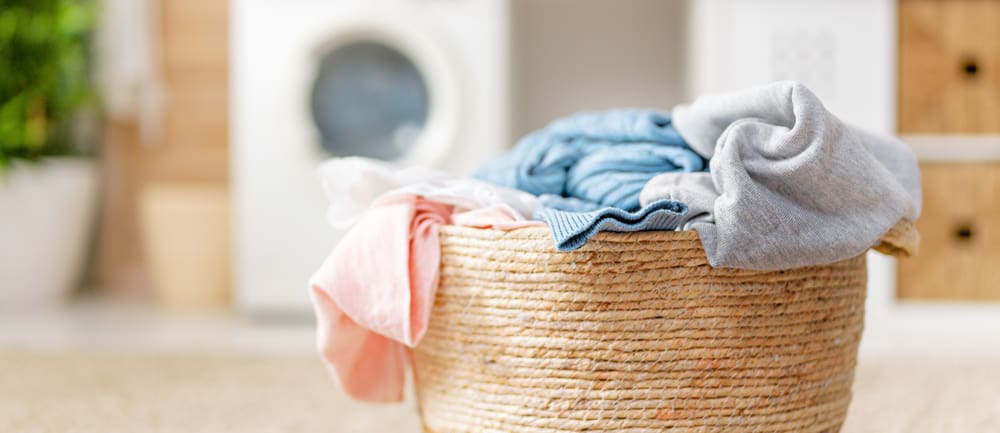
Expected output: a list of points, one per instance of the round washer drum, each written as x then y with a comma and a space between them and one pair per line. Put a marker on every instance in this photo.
384, 92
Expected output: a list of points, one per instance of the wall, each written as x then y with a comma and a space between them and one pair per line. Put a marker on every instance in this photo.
572, 55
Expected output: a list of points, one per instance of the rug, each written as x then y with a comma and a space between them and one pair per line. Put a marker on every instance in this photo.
105, 392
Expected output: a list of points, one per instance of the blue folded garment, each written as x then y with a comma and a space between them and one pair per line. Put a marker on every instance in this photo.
569, 204
602, 158
571, 230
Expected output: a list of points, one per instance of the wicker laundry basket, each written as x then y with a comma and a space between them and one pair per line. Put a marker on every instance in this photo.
636, 333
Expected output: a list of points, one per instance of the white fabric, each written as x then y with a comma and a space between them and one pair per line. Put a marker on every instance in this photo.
352, 184
127, 71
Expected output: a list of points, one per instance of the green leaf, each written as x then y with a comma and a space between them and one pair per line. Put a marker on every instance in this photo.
44, 75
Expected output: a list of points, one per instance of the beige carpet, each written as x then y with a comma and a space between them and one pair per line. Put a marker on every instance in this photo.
111, 393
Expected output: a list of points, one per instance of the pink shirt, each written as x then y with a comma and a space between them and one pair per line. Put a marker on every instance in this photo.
373, 295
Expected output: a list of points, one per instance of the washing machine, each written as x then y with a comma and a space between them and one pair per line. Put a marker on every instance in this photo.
422, 82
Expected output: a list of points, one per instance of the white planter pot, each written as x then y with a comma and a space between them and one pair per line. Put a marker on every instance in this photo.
46, 220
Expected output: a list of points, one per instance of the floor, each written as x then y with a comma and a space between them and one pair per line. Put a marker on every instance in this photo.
115, 392
78, 369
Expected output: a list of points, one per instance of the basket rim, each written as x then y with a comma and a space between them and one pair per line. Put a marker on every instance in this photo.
900, 240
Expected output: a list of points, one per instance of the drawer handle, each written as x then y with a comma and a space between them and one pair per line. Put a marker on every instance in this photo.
971, 68
963, 232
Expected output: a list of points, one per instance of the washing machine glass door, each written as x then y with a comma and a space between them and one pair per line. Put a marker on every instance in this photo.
369, 99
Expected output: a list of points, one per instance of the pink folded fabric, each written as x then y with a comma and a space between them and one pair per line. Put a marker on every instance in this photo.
373, 294
494, 217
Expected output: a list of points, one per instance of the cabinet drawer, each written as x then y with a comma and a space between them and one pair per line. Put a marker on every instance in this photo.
949, 66
960, 234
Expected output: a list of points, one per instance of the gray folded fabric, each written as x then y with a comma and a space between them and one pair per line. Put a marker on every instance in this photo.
696, 190
796, 185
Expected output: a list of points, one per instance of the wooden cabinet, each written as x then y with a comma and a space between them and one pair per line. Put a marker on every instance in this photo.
949, 87
949, 66
196, 71
193, 146
960, 234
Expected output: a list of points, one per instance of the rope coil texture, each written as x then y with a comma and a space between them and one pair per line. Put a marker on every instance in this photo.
635, 332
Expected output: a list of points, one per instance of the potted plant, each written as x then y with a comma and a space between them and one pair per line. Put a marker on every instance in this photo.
48, 186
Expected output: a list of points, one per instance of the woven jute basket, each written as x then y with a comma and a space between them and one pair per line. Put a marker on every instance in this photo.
636, 333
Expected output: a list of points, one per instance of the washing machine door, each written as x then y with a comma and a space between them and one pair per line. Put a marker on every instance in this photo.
384, 91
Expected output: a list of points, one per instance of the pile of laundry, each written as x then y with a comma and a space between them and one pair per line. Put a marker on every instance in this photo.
767, 177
